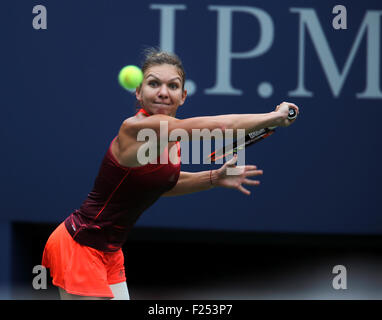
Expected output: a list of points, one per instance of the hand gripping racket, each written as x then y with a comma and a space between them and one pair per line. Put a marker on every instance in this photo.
251, 138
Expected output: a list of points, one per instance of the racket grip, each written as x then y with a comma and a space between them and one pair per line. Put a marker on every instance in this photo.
292, 114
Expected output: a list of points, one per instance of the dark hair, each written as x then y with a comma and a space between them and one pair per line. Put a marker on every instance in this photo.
154, 56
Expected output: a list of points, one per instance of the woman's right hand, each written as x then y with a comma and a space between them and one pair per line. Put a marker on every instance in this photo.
283, 110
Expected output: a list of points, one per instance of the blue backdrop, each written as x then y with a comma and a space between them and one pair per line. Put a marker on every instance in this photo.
61, 105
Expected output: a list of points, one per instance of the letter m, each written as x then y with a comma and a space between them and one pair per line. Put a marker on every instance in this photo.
370, 26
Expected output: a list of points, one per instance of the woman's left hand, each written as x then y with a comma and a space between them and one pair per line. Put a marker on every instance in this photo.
231, 176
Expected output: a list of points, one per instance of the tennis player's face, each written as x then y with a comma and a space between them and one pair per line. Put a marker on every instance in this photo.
161, 91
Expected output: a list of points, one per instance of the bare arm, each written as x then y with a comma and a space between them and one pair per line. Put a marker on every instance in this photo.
248, 122
129, 144
191, 182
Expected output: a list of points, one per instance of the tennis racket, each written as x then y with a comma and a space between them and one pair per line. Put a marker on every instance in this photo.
251, 138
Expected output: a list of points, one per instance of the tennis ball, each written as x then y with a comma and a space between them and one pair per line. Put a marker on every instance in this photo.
130, 77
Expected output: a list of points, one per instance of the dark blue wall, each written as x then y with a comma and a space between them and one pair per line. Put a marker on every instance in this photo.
61, 105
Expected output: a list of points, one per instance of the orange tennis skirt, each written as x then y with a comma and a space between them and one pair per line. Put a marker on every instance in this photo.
79, 269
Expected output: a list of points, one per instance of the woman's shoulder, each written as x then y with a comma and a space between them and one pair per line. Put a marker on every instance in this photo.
125, 145
129, 121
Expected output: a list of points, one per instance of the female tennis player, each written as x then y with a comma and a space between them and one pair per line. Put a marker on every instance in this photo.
84, 253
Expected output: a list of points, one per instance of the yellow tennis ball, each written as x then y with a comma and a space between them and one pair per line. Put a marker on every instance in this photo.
130, 77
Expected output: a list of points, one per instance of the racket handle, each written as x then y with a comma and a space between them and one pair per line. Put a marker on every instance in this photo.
292, 114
